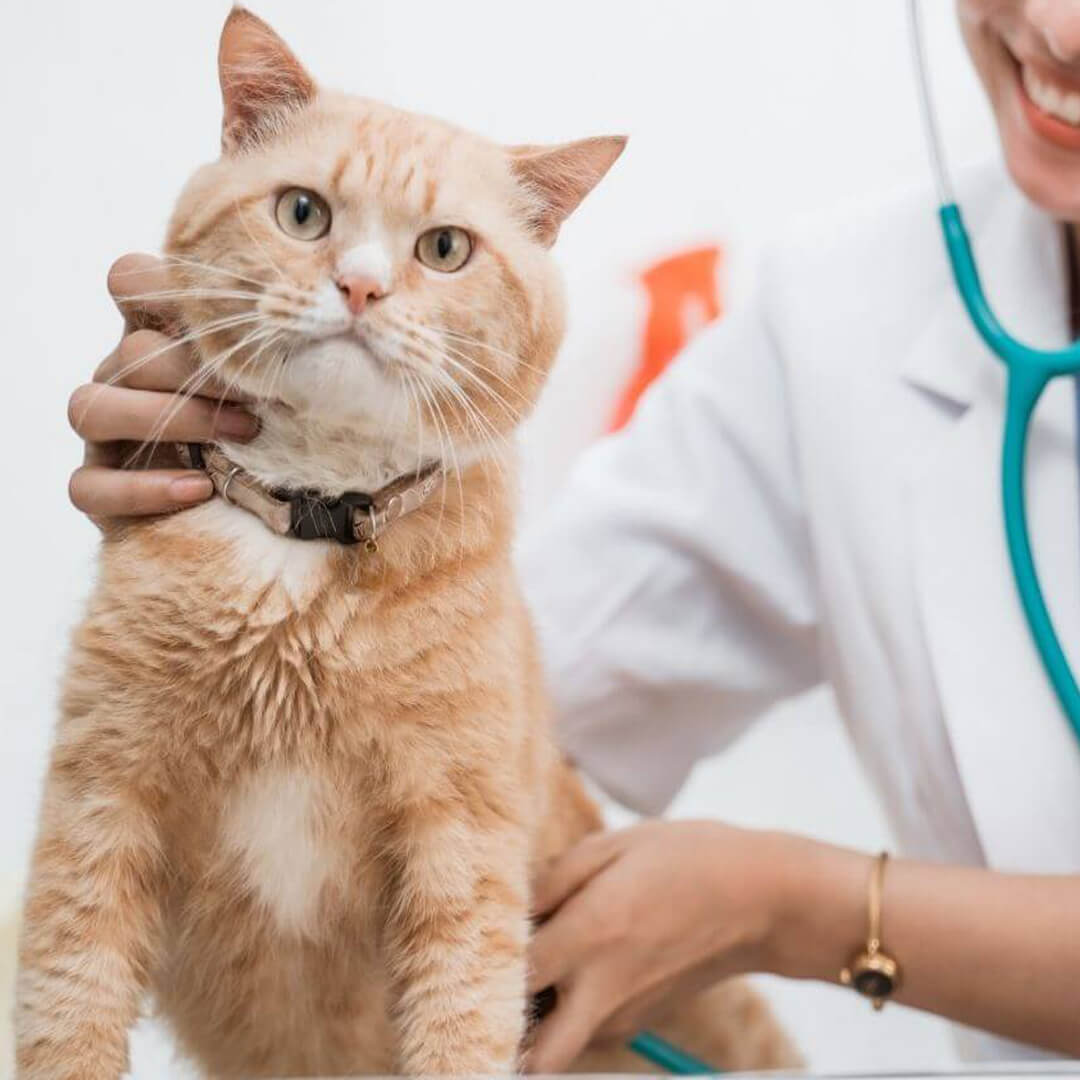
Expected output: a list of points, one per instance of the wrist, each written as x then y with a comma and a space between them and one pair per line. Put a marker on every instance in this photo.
816, 904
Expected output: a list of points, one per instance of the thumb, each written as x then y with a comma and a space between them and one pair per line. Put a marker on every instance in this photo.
143, 291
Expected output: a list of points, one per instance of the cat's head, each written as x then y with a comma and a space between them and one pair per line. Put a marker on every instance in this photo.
369, 270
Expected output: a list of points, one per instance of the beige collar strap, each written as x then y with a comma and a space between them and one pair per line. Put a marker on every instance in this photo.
353, 518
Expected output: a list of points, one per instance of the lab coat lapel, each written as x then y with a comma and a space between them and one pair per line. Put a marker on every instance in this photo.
1018, 759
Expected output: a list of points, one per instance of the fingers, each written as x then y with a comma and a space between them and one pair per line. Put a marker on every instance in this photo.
103, 492
134, 283
563, 1035
556, 944
106, 413
571, 870
556, 947
147, 360
132, 399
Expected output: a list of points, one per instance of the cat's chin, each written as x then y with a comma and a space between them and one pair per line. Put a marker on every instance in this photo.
336, 380
329, 451
338, 420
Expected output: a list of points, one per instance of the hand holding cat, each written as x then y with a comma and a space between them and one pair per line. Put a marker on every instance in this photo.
643, 918
133, 399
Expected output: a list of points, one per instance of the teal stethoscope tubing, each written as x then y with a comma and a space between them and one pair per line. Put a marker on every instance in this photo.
1028, 371
669, 1058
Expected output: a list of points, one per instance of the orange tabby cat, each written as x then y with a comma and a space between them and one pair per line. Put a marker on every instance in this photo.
298, 785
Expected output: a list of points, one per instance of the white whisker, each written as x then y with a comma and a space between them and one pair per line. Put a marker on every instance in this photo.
172, 343
443, 456
227, 322
490, 438
196, 292
184, 261
190, 388
262, 250
466, 339
511, 412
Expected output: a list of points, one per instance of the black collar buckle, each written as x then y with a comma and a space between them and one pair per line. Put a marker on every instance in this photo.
316, 517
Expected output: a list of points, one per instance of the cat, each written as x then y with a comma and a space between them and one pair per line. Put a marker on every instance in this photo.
298, 786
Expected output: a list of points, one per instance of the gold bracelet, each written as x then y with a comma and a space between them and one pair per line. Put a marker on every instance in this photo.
871, 970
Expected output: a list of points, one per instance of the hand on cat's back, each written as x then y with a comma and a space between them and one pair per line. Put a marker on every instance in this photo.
133, 399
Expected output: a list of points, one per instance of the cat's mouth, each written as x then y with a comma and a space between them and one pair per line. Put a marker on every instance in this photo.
371, 347
348, 375
353, 345
355, 338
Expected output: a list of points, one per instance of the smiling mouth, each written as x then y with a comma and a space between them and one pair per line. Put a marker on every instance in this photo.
1054, 99
1050, 103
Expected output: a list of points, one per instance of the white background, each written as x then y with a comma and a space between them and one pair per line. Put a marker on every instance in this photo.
742, 115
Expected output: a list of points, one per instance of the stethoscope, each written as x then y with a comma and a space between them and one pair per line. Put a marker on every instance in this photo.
1028, 372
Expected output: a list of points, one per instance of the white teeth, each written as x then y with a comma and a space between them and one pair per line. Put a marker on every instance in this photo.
1065, 105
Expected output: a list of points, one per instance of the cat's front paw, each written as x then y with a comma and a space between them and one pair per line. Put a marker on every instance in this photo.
77, 1067
436, 1060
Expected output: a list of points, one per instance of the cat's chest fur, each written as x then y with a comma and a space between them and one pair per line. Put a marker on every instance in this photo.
255, 642
278, 567
281, 690
276, 830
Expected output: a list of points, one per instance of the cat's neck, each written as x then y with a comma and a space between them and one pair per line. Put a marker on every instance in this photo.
305, 453
469, 510
469, 517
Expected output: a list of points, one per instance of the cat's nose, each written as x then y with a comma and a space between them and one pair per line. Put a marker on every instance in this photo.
358, 290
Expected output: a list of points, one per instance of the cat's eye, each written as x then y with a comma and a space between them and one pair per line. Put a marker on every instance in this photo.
446, 248
303, 214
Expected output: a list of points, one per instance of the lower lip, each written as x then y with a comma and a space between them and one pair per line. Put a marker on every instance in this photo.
1049, 127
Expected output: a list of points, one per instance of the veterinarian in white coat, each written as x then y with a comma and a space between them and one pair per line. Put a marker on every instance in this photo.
811, 495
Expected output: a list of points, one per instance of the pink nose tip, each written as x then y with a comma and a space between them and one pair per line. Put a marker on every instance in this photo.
358, 290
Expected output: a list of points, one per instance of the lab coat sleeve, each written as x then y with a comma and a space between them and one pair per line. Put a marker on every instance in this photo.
672, 584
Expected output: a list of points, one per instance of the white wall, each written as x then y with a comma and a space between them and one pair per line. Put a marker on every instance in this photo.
741, 115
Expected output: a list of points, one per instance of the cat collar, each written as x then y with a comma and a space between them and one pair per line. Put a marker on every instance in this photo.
353, 518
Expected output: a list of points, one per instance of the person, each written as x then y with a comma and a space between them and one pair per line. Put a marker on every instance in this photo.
809, 496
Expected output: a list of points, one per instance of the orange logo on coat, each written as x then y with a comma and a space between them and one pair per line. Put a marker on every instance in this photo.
683, 297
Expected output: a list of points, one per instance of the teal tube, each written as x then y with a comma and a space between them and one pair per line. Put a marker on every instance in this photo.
669, 1058
1015, 354
1029, 371
1024, 390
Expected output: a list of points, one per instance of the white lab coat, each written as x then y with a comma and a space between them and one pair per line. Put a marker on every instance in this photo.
811, 493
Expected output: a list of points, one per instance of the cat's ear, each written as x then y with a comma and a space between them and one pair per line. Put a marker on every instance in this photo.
260, 77
559, 177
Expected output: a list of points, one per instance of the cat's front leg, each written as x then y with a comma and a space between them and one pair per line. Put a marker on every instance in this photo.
458, 931
90, 928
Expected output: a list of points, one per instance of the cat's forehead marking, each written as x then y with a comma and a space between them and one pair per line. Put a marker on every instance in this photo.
371, 166
339, 171
430, 191
392, 155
